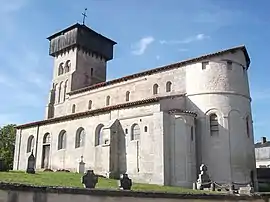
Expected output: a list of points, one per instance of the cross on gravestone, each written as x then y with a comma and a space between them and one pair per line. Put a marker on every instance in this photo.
89, 180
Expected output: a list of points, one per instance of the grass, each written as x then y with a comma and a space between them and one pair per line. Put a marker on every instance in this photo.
64, 179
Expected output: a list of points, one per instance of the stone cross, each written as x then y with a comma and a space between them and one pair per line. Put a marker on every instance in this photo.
81, 166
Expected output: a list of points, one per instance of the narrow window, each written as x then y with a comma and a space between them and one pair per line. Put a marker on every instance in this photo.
229, 65
135, 132
247, 127
30, 144
126, 131
214, 125
205, 64
65, 89
98, 134
90, 105
168, 86
92, 72
127, 96
61, 69
155, 89
67, 66
191, 133
108, 99
62, 140
73, 108
79, 139
145, 128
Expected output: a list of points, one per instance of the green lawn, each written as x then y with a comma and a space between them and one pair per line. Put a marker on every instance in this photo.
74, 180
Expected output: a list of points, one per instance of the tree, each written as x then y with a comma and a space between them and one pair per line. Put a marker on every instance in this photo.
7, 144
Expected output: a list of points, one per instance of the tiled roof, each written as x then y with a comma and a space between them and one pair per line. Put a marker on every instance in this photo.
101, 110
164, 68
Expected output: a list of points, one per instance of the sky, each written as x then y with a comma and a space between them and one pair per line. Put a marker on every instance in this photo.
149, 34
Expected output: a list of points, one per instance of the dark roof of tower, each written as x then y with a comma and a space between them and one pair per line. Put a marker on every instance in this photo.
164, 68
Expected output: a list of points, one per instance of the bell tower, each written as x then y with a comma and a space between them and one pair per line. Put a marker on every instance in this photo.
80, 60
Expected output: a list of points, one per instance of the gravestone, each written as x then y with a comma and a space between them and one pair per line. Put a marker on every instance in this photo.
81, 166
89, 180
31, 164
125, 182
203, 181
2, 165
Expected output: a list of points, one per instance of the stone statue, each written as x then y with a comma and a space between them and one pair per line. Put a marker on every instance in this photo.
203, 181
89, 180
125, 182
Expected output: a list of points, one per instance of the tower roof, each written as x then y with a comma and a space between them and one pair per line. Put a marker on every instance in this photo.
81, 36
77, 25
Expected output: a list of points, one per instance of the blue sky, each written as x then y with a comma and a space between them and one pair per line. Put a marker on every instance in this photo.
149, 34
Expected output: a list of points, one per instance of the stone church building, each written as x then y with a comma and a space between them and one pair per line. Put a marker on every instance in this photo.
158, 126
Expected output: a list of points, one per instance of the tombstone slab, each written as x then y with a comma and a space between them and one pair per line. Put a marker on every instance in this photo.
89, 180
125, 182
31, 164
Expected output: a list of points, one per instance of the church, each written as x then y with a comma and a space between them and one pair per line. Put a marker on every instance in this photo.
158, 126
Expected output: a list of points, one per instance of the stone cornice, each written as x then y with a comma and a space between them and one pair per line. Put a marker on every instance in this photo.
101, 110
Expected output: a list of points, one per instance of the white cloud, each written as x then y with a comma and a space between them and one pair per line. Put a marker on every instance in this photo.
198, 37
140, 47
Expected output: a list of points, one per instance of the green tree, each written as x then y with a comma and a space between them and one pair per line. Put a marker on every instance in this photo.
7, 144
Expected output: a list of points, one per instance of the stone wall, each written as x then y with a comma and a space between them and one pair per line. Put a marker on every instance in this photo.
24, 193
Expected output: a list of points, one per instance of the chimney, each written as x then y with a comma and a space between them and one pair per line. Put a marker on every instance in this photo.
264, 140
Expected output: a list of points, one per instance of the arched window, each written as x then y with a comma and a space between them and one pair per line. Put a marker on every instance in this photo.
98, 134
73, 108
135, 132
168, 86
60, 92
46, 138
214, 125
108, 99
89, 104
67, 66
61, 69
79, 139
127, 95
62, 140
155, 89
145, 129
65, 89
30, 144
247, 126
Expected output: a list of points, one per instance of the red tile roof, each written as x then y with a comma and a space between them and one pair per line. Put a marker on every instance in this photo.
101, 110
162, 69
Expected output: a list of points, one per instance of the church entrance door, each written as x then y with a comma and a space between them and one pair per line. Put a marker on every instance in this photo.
45, 156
